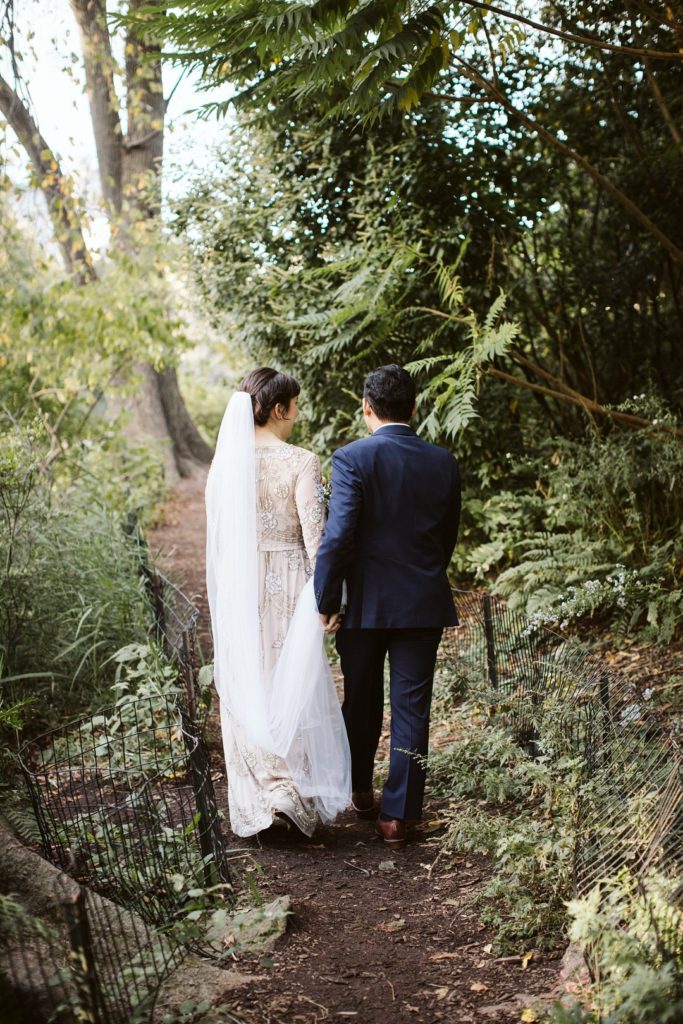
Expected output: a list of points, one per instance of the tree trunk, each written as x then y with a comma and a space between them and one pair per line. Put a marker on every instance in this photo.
30, 962
143, 145
130, 169
190, 447
99, 64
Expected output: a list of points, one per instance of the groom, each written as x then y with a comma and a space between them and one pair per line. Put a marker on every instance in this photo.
390, 534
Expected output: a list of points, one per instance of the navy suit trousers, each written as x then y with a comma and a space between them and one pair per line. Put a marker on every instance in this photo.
412, 657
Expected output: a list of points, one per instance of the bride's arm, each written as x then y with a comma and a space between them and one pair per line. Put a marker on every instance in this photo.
338, 545
310, 505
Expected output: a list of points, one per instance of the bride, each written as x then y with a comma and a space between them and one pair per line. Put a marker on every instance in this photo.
285, 744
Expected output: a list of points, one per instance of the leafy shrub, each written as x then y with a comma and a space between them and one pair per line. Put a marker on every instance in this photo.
611, 546
524, 818
147, 685
631, 932
72, 591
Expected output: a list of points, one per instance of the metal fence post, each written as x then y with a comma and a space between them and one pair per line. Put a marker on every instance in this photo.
189, 668
91, 1008
490, 643
605, 702
210, 838
157, 587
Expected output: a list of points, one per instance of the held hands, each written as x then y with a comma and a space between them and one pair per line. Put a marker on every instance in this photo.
331, 623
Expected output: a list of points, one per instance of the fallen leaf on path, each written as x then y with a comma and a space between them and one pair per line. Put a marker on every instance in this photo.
445, 956
387, 865
526, 959
529, 1016
488, 948
393, 926
478, 986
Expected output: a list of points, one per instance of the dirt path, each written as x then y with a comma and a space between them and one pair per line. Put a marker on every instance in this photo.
376, 935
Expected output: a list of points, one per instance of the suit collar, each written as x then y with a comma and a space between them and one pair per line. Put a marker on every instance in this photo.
395, 428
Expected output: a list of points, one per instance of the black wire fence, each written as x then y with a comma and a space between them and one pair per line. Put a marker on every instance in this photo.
557, 696
125, 808
125, 805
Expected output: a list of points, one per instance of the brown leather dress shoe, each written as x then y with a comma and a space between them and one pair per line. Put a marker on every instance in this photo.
393, 832
363, 803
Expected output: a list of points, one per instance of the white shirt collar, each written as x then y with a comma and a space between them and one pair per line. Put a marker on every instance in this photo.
390, 425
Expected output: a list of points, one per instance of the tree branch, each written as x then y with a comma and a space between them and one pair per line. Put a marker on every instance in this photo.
129, 144
571, 37
604, 182
62, 208
663, 108
655, 15
588, 404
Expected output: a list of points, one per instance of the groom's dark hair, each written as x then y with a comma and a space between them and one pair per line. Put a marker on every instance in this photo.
268, 388
390, 390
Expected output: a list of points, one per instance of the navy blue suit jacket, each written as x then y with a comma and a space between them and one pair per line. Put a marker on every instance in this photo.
390, 534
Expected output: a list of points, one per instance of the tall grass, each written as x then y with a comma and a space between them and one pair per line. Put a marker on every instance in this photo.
71, 590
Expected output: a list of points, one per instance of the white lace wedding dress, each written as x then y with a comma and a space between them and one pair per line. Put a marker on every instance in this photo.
289, 523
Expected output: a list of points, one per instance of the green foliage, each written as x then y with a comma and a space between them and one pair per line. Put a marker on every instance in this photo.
72, 591
70, 352
193, 1011
328, 256
127, 736
146, 685
330, 251
451, 392
152, 864
612, 541
522, 812
631, 931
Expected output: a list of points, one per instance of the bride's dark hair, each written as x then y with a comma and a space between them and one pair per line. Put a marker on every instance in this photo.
268, 388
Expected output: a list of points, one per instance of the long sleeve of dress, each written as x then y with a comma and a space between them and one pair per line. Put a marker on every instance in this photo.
340, 534
310, 504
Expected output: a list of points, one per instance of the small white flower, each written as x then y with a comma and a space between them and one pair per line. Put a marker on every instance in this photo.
647, 693
631, 713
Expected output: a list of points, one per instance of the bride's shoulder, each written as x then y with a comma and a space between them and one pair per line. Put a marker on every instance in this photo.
302, 455
291, 454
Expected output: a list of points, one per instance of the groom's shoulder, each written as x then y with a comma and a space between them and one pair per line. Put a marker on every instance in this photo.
354, 449
439, 452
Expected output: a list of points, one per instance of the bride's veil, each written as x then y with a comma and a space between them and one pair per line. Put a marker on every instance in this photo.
293, 712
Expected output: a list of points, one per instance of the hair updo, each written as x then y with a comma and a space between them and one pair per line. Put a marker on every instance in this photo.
268, 388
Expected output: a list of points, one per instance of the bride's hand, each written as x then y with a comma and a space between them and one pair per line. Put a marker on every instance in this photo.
331, 623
